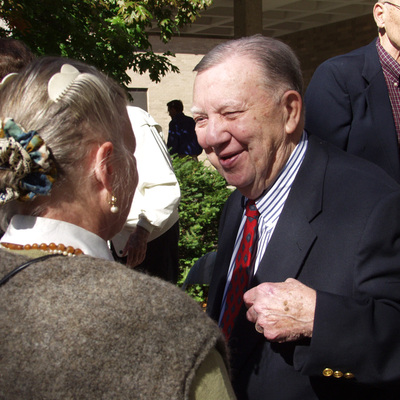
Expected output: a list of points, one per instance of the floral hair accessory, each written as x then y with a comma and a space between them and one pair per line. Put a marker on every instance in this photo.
27, 157
61, 81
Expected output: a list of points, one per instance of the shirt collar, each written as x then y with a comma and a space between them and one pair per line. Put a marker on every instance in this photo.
286, 177
389, 64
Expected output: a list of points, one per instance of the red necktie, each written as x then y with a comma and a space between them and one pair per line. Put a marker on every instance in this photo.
240, 275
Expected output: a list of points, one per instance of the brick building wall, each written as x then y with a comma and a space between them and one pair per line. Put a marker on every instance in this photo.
314, 46
188, 52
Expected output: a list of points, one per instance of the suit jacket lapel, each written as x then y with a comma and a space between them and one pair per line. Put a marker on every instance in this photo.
229, 225
287, 249
293, 235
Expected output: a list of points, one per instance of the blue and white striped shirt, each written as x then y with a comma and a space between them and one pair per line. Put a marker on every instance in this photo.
270, 206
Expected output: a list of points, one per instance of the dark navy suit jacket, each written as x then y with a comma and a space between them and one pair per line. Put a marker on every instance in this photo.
339, 233
347, 103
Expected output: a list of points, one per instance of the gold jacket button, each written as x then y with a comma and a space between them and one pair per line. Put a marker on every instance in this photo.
348, 375
338, 374
327, 372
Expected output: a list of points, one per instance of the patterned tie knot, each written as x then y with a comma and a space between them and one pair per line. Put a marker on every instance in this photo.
251, 210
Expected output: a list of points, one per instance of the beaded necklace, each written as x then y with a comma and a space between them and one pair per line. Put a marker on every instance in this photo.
51, 248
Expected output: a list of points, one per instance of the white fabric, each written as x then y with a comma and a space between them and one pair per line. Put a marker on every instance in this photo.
24, 229
156, 200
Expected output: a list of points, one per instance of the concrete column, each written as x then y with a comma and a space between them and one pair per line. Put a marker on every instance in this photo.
247, 17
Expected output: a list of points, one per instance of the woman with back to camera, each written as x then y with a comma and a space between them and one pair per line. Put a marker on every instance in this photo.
75, 326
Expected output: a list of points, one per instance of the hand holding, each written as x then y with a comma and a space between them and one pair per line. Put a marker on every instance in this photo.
282, 311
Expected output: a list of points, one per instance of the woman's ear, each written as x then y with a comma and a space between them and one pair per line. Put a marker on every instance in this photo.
293, 103
103, 167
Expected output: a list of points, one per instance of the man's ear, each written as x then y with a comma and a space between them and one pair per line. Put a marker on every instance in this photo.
293, 104
379, 15
103, 168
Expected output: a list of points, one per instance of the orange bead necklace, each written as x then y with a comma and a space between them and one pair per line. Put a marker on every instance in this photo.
51, 248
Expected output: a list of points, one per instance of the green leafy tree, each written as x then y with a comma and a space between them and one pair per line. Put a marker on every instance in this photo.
112, 35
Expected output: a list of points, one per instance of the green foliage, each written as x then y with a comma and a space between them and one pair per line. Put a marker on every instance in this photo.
112, 35
203, 194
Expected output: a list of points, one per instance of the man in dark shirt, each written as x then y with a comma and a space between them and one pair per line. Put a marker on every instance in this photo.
182, 138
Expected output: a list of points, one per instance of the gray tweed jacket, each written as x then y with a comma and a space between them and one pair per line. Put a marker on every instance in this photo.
84, 328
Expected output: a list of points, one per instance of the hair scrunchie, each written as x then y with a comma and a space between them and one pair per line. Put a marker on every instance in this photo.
26, 156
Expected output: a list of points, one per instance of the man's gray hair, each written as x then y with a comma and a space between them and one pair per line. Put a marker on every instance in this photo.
276, 60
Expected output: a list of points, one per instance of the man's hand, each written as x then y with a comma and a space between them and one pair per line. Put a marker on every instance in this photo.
136, 247
283, 311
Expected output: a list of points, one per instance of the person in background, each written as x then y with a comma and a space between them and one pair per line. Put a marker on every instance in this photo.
182, 138
73, 323
151, 233
353, 100
311, 237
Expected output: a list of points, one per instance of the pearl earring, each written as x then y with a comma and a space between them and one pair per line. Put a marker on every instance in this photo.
114, 209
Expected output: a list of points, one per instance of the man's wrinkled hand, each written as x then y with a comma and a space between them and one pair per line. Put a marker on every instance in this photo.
282, 311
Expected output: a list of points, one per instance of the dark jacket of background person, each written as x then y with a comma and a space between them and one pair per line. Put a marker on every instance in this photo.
338, 233
347, 103
182, 138
86, 328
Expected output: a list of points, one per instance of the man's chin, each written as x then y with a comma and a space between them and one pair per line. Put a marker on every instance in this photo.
233, 180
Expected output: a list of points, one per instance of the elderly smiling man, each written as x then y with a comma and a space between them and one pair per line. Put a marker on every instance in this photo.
312, 234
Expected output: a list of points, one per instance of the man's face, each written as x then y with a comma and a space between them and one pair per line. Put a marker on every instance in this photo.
392, 25
172, 112
240, 125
